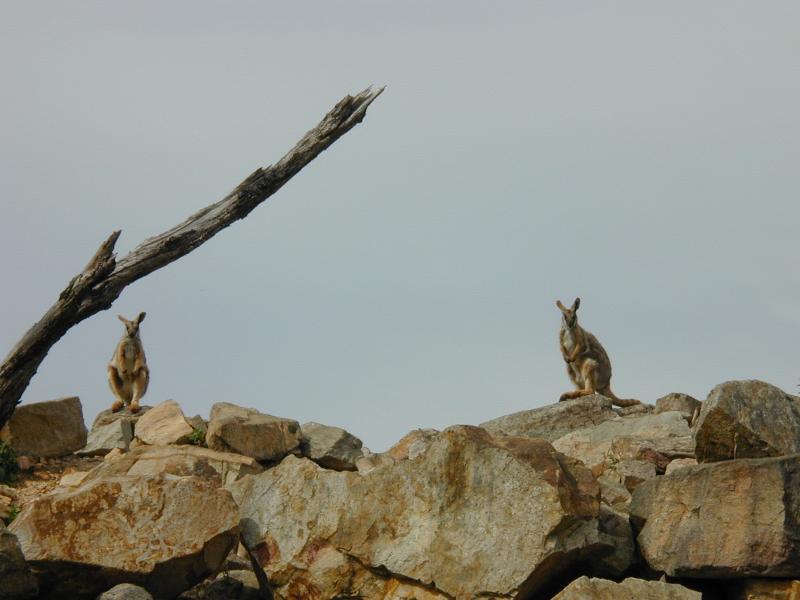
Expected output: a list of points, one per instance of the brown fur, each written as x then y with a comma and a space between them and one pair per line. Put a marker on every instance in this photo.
588, 365
128, 374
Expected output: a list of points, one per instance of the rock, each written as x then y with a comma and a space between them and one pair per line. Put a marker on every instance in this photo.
126, 591
233, 585
163, 533
47, 429
330, 447
585, 588
683, 403
104, 417
616, 531
197, 422
763, 589
163, 424
555, 420
413, 444
635, 410
633, 472
103, 439
8, 492
473, 514
613, 493
735, 518
631, 448
369, 462
25, 463
246, 431
667, 433
747, 419
73, 479
679, 463
221, 467
16, 580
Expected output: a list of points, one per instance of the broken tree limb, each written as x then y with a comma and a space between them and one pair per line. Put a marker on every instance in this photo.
103, 279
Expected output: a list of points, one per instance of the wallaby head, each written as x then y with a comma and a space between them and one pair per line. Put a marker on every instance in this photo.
569, 316
132, 327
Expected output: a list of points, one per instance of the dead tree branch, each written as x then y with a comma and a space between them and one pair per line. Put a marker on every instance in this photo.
103, 279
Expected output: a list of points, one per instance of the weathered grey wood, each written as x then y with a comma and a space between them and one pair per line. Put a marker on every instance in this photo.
103, 279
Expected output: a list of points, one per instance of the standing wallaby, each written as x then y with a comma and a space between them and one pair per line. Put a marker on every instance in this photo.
588, 365
128, 374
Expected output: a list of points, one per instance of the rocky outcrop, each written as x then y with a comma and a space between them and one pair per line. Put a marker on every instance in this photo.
16, 580
683, 403
471, 516
585, 588
163, 424
46, 429
330, 447
667, 434
246, 431
413, 444
163, 533
555, 420
747, 419
736, 518
183, 461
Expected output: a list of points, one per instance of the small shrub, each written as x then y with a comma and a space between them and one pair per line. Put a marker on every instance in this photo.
198, 437
9, 468
13, 511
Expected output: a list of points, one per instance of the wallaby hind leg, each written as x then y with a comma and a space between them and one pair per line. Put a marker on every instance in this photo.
139, 388
117, 387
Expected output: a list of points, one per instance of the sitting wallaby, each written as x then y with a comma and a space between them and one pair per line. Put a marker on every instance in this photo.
588, 365
128, 374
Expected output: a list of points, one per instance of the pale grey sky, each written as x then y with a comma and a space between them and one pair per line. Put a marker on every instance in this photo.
641, 155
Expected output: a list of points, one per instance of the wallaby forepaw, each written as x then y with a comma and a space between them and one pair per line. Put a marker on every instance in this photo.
117, 406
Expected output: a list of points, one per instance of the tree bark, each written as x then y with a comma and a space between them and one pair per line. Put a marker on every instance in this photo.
103, 279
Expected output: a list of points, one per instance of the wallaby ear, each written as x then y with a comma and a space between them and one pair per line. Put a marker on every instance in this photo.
141, 317
576, 304
123, 319
560, 306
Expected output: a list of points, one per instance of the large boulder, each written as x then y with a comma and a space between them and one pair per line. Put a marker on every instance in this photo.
747, 419
246, 431
163, 424
555, 420
585, 588
16, 580
729, 519
46, 429
412, 444
330, 447
222, 467
473, 516
163, 533
667, 433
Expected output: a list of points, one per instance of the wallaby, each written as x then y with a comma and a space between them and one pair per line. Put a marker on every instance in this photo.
128, 374
588, 365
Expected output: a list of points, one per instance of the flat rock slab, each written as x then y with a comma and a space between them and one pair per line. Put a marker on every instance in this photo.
738, 518
747, 419
585, 588
103, 439
473, 516
46, 429
163, 533
163, 424
555, 420
249, 432
222, 467
667, 433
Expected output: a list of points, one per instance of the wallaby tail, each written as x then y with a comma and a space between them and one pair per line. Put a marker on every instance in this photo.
621, 402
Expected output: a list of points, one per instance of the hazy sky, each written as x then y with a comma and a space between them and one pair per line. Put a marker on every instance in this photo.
640, 155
